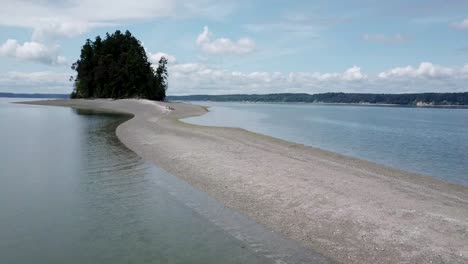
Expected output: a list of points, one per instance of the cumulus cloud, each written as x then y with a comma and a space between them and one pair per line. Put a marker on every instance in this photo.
464, 70
462, 25
223, 45
80, 14
54, 29
199, 78
391, 39
353, 73
29, 82
50, 21
33, 51
425, 70
43, 77
72, 18
155, 57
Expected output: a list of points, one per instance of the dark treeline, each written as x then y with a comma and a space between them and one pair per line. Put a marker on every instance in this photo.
33, 95
117, 67
346, 98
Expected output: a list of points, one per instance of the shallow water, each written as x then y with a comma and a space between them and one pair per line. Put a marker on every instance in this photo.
70, 192
422, 140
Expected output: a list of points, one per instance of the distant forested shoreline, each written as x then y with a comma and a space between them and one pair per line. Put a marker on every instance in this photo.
34, 95
417, 99
414, 99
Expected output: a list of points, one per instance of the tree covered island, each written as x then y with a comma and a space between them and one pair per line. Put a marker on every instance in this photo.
117, 67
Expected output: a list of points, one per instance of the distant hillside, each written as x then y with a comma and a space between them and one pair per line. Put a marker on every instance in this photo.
35, 95
417, 99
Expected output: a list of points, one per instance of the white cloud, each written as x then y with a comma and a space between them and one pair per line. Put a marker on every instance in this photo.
29, 82
463, 25
353, 73
223, 45
197, 78
72, 18
52, 20
36, 77
464, 70
425, 70
392, 39
155, 57
52, 29
33, 51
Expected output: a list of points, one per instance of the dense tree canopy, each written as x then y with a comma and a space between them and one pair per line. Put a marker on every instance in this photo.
117, 67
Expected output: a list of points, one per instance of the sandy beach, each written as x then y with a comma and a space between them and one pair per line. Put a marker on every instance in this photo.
349, 210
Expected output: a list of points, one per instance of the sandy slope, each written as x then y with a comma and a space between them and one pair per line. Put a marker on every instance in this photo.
348, 209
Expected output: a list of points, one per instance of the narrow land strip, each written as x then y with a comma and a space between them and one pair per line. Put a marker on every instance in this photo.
351, 210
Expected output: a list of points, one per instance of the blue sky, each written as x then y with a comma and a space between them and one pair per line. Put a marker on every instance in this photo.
219, 47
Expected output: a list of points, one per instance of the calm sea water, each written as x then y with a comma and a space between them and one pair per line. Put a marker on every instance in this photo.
70, 192
423, 140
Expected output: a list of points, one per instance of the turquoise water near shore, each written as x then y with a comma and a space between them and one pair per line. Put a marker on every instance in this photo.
423, 140
70, 192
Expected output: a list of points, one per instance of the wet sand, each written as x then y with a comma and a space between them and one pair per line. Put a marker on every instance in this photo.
350, 210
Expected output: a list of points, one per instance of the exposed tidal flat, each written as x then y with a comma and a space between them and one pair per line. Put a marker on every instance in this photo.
350, 210
71, 192
423, 140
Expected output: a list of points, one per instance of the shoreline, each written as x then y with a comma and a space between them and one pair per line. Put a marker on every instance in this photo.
340, 104
348, 209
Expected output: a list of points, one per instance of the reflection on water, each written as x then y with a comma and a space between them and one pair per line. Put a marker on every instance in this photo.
70, 192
